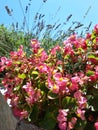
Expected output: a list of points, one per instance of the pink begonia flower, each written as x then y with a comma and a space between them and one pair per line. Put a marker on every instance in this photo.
77, 42
55, 49
14, 100
96, 28
74, 120
28, 89
60, 81
7, 95
82, 101
17, 55
20, 51
63, 126
88, 36
43, 68
4, 62
59, 62
93, 60
2, 68
34, 98
33, 95
4, 81
43, 56
21, 114
13, 55
72, 123
93, 78
96, 52
68, 49
73, 86
55, 89
8, 84
72, 38
96, 125
96, 71
49, 83
35, 45
70, 126
82, 78
52, 86
57, 76
75, 79
80, 113
31, 99
61, 118
83, 44
97, 39
63, 112
16, 112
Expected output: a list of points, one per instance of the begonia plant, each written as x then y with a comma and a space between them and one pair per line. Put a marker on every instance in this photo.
58, 89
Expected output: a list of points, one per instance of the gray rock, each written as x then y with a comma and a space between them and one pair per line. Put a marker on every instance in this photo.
24, 125
7, 120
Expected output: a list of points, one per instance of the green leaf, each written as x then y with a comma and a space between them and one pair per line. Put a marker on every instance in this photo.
17, 62
91, 56
35, 72
80, 124
69, 102
40, 50
93, 36
17, 69
17, 87
52, 95
22, 76
43, 87
94, 102
94, 90
80, 49
34, 113
89, 126
89, 73
49, 121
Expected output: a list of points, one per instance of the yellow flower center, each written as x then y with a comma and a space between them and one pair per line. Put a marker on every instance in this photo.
61, 79
55, 87
41, 67
33, 42
79, 115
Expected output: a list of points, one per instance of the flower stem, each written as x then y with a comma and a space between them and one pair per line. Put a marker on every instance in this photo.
60, 100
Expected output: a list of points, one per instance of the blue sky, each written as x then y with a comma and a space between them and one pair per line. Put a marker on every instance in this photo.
54, 10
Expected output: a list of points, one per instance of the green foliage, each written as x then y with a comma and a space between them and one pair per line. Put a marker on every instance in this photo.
89, 73
34, 113
89, 126
69, 102
10, 40
93, 101
49, 121
22, 76
81, 125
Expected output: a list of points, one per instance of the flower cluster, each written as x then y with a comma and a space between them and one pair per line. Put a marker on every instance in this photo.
55, 87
